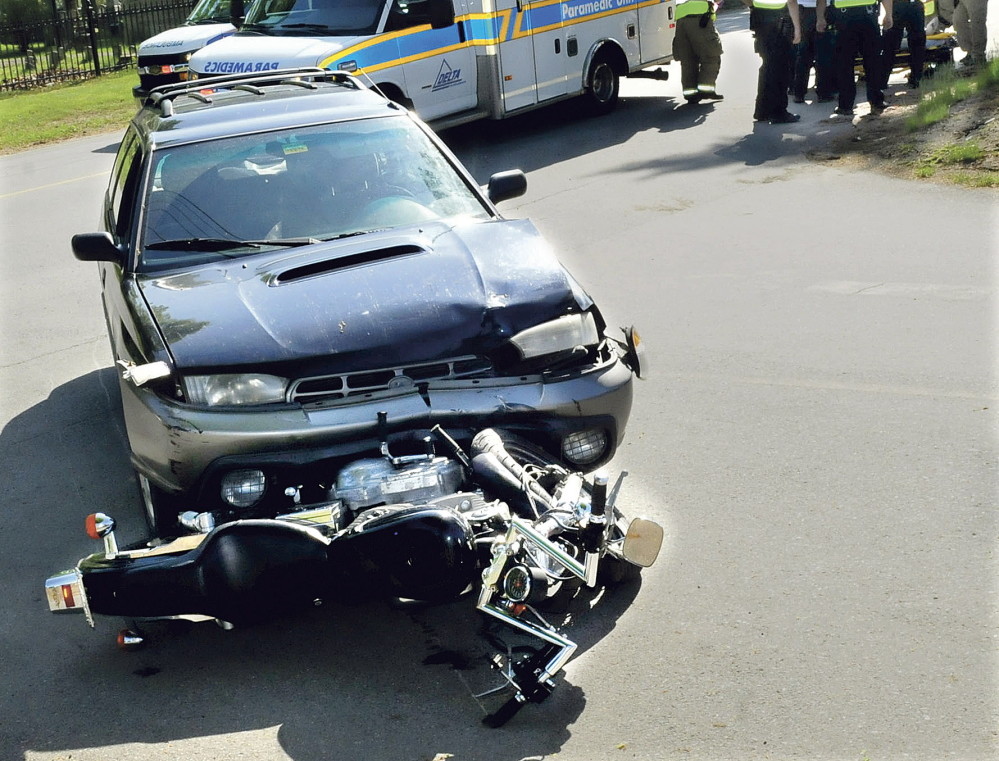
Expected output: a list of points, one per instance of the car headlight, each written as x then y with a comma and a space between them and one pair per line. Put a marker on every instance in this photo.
249, 388
563, 334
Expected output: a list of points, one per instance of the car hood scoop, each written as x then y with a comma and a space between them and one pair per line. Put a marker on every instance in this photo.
345, 261
372, 301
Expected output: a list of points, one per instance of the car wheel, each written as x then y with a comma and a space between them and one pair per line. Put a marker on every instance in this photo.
603, 86
158, 507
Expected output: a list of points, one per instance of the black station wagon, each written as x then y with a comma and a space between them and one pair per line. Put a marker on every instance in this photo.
296, 270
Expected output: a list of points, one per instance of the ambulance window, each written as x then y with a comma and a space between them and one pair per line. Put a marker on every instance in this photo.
408, 13
310, 18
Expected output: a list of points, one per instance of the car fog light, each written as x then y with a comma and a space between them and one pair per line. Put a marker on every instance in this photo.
585, 447
243, 488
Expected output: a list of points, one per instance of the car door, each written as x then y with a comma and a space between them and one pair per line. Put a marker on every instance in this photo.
129, 339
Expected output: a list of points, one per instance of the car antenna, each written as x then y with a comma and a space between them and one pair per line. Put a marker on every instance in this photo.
362, 74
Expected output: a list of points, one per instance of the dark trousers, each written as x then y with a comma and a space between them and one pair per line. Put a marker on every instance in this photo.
857, 32
907, 17
774, 35
814, 50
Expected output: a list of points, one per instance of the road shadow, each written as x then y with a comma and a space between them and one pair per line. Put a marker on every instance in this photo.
371, 680
553, 134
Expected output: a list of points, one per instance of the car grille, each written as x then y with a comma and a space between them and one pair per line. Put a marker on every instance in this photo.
326, 388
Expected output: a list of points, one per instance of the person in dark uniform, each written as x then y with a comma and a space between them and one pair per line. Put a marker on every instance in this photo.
908, 17
857, 32
777, 29
698, 48
815, 49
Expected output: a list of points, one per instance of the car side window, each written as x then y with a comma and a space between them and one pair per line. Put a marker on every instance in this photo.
124, 178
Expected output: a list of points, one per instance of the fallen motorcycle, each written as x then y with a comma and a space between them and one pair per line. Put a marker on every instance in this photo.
496, 520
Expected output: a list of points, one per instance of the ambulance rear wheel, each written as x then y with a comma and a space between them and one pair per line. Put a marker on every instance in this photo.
603, 86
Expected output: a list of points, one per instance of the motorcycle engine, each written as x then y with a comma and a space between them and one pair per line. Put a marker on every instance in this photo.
377, 481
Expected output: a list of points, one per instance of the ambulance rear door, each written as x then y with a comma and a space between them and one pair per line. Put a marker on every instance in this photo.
518, 85
532, 55
657, 27
551, 69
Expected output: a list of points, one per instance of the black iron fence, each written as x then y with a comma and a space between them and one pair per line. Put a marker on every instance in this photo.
84, 41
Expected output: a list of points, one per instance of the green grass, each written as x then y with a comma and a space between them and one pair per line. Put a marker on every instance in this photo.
947, 88
977, 180
956, 153
49, 114
955, 160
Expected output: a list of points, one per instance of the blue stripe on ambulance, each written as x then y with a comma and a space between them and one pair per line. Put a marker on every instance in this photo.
480, 29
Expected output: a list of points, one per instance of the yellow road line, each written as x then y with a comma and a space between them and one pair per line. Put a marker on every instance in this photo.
53, 185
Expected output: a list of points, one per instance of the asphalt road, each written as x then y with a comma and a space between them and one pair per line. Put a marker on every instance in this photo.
818, 435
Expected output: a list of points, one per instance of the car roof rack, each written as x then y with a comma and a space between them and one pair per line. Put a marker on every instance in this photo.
252, 82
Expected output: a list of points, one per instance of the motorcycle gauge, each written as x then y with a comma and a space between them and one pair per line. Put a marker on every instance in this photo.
523, 584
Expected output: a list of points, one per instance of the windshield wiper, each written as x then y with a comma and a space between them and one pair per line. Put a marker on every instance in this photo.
257, 28
224, 244
313, 28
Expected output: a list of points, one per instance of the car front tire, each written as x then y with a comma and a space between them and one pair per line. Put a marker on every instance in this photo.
158, 507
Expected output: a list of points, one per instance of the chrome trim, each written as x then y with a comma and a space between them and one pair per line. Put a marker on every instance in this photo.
507, 548
552, 550
548, 635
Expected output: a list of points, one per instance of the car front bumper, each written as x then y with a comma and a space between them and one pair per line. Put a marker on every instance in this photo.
184, 449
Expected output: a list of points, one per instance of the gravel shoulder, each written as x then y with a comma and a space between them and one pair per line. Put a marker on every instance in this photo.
886, 144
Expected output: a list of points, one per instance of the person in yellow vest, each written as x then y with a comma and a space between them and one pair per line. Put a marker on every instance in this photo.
814, 50
909, 18
698, 48
776, 27
857, 32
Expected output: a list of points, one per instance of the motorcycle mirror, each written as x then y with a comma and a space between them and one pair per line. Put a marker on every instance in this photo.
642, 542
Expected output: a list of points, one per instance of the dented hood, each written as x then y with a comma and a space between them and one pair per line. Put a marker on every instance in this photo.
374, 301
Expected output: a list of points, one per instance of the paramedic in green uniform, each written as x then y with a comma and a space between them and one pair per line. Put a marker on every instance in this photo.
698, 48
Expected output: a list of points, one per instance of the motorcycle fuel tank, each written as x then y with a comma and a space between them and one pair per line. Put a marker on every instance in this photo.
411, 552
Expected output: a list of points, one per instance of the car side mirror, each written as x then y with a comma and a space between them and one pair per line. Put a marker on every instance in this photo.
96, 247
505, 185
441, 13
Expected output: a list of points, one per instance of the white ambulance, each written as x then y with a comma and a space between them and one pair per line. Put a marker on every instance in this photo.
163, 58
455, 61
